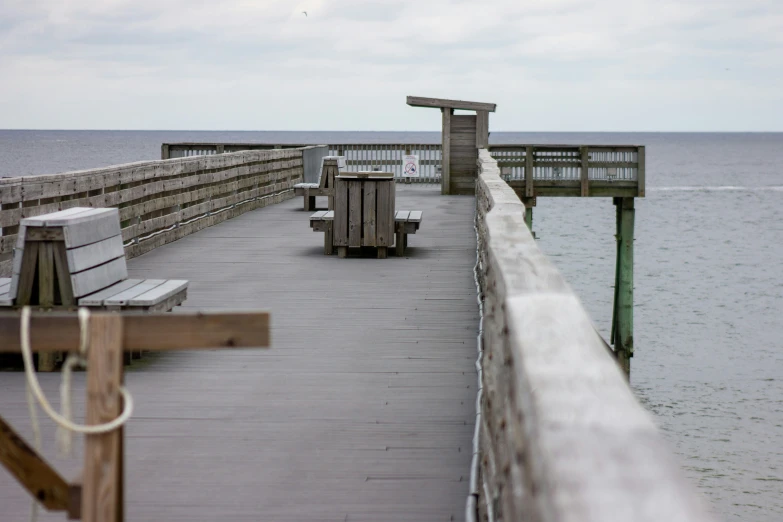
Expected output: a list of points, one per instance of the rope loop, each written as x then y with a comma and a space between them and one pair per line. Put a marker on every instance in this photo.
33, 385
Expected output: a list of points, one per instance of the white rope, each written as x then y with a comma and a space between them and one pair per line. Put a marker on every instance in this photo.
65, 436
32, 382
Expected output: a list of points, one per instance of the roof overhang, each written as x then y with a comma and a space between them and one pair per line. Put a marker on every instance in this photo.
439, 103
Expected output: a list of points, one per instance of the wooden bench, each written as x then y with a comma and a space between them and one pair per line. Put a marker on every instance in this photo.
75, 258
405, 222
330, 167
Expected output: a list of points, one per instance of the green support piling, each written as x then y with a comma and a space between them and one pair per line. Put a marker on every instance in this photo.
622, 317
529, 204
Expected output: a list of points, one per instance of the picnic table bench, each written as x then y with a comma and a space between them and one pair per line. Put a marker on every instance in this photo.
364, 216
75, 258
330, 168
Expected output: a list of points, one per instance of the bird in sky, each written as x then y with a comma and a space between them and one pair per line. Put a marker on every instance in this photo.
305, 13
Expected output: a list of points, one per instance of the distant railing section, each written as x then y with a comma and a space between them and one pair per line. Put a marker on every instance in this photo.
566, 162
159, 201
546, 162
366, 156
389, 158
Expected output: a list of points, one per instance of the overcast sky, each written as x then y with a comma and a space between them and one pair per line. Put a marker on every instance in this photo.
550, 65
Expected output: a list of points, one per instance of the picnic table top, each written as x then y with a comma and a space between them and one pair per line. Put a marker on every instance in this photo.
363, 408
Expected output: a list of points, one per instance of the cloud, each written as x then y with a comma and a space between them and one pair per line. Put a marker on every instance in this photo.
222, 64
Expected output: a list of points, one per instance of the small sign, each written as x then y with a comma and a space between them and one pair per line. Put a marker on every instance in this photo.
410, 165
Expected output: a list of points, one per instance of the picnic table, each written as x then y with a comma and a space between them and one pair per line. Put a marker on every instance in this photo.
364, 215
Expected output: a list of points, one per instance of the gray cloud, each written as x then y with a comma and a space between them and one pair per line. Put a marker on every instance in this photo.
149, 61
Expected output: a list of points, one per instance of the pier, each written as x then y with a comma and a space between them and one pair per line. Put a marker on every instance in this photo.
462, 381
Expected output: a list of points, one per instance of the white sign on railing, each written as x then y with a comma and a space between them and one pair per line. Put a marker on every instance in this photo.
410, 165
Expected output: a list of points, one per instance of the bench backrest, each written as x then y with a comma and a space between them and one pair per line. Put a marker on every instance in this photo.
79, 247
331, 166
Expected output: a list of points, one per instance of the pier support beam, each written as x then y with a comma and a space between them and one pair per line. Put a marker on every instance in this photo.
622, 315
529, 204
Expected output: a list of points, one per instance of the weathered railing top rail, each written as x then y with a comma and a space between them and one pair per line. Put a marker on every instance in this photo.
562, 436
159, 201
557, 170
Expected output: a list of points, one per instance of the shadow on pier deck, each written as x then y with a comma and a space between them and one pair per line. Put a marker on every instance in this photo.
363, 409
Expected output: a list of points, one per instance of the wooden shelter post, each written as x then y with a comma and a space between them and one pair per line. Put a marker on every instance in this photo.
445, 150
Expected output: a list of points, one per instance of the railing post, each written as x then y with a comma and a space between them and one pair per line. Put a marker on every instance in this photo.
585, 156
529, 152
640, 171
622, 316
164, 151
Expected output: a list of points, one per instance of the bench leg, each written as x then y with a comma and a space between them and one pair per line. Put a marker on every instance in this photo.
342, 251
400, 248
328, 240
46, 361
309, 202
382, 252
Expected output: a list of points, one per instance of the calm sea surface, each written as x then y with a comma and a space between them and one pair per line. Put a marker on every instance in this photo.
709, 280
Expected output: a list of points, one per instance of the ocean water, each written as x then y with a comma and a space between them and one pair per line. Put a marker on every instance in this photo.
708, 280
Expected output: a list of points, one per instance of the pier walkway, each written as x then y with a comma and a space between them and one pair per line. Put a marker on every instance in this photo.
363, 408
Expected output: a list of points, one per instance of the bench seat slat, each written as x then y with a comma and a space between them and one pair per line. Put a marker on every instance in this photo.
323, 215
122, 298
98, 297
415, 215
402, 215
159, 293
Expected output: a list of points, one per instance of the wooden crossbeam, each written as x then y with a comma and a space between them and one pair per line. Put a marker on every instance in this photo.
55, 331
32, 471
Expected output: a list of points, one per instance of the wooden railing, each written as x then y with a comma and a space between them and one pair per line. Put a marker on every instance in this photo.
367, 156
566, 165
560, 435
159, 201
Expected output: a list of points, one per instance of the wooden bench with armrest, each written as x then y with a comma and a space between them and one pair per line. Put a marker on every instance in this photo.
75, 258
330, 167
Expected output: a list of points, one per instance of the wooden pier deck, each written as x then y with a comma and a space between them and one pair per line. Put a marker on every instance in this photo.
363, 409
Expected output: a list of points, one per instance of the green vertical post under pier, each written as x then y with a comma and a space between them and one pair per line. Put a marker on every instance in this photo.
529, 204
622, 316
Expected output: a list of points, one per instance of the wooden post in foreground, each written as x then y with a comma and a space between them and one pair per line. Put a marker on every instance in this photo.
110, 334
622, 314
